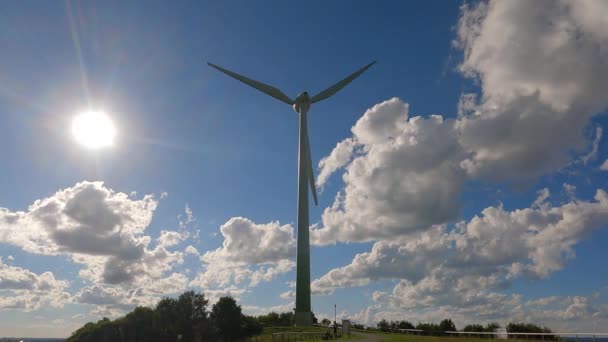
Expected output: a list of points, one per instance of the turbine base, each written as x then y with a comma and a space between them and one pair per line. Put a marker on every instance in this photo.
303, 319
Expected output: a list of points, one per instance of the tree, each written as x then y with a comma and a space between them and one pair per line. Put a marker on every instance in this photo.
139, 325
447, 325
191, 314
286, 318
358, 326
250, 326
226, 317
103, 330
325, 322
166, 316
531, 328
490, 327
405, 325
394, 325
271, 318
383, 325
185, 316
473, 328
428, 327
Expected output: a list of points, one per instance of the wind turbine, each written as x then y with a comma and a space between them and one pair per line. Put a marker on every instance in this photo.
303, 315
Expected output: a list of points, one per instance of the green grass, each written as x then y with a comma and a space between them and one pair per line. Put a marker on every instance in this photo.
268, 331
389, 337
353, 337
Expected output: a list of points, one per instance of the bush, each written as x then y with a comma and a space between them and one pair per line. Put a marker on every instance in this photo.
474, 328
447, 325
384, 325
530, 328
405, 325
491, 327
428, 327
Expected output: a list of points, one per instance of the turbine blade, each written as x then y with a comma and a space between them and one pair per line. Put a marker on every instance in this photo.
265, 88
336, 87
311, 176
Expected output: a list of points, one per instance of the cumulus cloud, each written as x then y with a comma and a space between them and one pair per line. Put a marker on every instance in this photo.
390, 259
570, 190
186, 218
96, 227
170, 238
248, 242
251, 253
340, 156
112, 300
594, 146
259, 310
23, 289
404, 176
567, 313
191, 250
543, 194
541, 67
466, 269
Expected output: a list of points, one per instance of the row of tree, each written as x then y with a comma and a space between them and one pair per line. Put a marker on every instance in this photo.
448, 325
445, 325
174, 319
280, 319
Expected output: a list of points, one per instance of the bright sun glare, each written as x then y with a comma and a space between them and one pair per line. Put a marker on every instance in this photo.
93, 129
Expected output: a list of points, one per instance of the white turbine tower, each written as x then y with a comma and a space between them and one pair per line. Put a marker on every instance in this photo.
303, 315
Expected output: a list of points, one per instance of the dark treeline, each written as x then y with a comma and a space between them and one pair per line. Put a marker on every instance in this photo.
184, 318
279, 319
445, 325
448, 325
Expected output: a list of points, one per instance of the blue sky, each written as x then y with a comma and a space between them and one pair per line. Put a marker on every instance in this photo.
462, 174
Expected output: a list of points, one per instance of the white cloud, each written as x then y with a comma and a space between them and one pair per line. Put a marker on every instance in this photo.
604, 166
259, 310
191, 250
543, 194
96, 227
594, 146
170, 238
251, 243
559, 313
339, 156
570, 190
404, 176
288, 294
251, 253
402, 258
214, 295
22, 289
112, 300
188, 219
542, 69
458, 267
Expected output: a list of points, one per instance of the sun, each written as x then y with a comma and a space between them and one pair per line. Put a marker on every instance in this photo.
93, 129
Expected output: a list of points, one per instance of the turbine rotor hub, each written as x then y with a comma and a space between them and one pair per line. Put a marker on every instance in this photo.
302, 103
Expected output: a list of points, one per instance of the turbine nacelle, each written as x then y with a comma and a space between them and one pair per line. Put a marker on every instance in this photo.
302, 103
